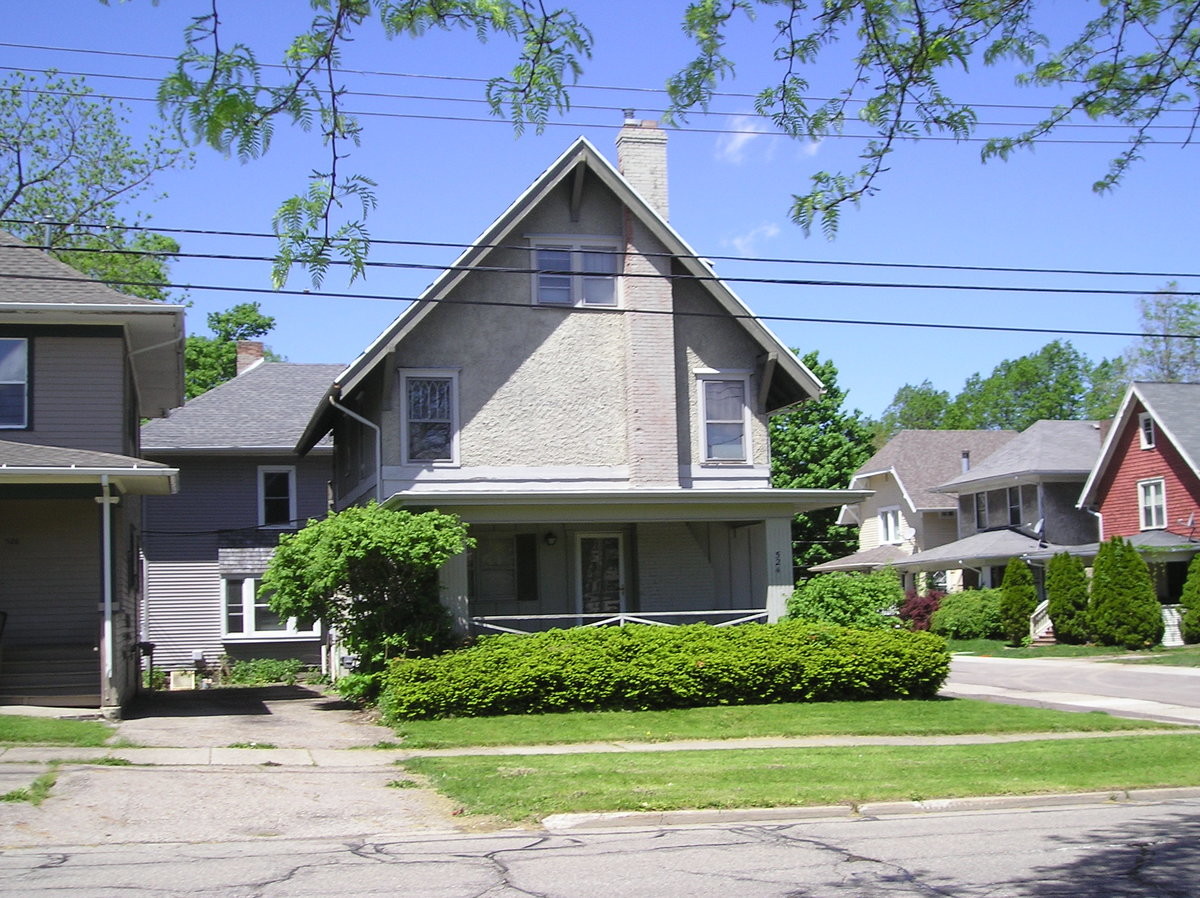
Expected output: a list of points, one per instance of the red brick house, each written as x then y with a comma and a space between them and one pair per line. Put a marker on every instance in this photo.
1146, 484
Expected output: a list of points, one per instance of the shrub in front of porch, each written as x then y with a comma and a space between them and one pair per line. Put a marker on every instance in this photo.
1189, 624
849, 599
971, 614
640, 668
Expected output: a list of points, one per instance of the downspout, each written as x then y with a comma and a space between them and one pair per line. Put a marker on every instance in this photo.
350, 413
1099, 522
107, 501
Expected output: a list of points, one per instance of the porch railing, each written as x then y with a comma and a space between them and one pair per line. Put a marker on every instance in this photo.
511, 623
1039, 621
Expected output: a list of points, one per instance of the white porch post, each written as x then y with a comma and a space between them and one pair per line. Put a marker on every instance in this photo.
452, 579
779, 567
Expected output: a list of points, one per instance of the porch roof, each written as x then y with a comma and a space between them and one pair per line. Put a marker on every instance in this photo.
985, 549
28, 463
625, 505
1156, 545
867, 560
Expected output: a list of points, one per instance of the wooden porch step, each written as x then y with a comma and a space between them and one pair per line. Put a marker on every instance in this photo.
1046, 638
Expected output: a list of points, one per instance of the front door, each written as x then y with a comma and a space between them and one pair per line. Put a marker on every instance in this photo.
600, 573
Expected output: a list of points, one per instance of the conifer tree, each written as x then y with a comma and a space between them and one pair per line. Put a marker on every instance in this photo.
1067, 594
1190, 624
1124, 609
1018, 599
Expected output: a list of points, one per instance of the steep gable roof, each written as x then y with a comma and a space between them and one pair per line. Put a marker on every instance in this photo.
263, 408
36, 288
789, 380
922, 459
1063, 449
1174, 409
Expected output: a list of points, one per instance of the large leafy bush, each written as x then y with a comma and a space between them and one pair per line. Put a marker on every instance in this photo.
849, 600
642, 667
974, 614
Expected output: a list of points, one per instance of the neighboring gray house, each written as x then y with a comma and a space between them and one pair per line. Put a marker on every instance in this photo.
584, 392
1020, 501
241, 486
906, 514
80, 365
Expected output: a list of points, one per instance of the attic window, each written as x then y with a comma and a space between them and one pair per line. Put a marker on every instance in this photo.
575, 273
1146, 430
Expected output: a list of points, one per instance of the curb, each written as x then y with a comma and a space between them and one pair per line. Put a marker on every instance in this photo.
651, 819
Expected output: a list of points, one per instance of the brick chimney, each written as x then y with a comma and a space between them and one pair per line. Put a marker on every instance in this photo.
642, 159
249, 354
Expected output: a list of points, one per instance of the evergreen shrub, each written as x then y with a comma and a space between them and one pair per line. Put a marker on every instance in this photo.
1190, 600
1018, 600
1067, 595
1124, 609
973, 614
639, 667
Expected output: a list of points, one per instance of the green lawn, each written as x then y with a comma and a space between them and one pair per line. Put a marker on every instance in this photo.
1179, 656
998, 648
530, 787
20, 730
937, 717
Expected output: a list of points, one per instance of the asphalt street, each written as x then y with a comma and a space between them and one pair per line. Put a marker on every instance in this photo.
1084, 851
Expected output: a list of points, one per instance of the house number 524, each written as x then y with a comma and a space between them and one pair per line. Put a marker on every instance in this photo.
778, 562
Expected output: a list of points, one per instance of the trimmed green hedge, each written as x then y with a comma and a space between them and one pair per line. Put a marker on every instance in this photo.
643, 668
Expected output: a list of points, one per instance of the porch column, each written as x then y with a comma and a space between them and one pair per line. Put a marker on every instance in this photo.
452, 579
780, 583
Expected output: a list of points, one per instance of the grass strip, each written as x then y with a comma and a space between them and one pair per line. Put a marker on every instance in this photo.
530, 787
16, 729
933, 717
36, 792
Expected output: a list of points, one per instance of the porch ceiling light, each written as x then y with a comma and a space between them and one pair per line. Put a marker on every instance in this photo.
550, 538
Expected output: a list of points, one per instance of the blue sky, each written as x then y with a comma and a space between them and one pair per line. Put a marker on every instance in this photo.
444, 179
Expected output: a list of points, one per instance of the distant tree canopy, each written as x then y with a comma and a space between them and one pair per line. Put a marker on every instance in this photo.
819, 445
1169, 350
1056, 382
209, 361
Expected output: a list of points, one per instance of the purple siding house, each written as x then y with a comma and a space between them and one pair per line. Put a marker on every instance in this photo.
80, 366
241, 486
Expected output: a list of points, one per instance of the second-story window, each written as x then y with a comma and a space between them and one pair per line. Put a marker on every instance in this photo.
276, 496
1014, 506
575, 273
1152, 498
981, 511
430, 417
14, 383
889, 525
725, 417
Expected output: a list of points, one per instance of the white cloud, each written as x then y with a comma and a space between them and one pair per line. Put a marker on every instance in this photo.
746, 244
731, 148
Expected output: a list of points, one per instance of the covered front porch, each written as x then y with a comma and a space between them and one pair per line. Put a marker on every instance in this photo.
667, 557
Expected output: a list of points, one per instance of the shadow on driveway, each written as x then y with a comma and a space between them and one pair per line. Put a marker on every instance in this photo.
223, 702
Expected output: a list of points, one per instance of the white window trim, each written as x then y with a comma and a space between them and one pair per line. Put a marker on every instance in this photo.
1143, 507
576, 245
24, 425
1146, 443
704, 375
290, 470
249, 588
893, 512
451, 374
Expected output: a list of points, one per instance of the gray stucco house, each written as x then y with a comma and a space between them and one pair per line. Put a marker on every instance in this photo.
582, 389
241, 486
80, 365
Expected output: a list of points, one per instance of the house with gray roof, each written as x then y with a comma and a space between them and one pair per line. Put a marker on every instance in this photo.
1145, 485
240, 486
80, 366
905, 513
593, 401
1021, 500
